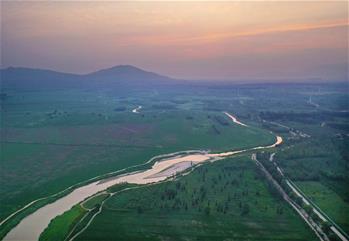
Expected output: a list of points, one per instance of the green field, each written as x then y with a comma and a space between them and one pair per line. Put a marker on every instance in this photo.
56, 155
51, 140
94, 201
228, 199
327, 200
60, 227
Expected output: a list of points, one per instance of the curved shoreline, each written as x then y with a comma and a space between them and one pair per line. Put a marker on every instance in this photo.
34, 224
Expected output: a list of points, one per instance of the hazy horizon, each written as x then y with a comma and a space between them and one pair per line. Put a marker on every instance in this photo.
160, 120
184, 40
215, 80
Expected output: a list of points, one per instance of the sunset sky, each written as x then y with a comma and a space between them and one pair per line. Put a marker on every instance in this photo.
192, 40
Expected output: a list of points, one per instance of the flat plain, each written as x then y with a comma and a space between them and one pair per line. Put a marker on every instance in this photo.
52, 140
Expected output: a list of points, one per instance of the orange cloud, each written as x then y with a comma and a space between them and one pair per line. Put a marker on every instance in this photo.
220, 37
174, 37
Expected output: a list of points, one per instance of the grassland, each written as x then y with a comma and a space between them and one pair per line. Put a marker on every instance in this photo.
60, 227
319, 158
94, 201
51, 140
327, 200
319, 164
228, 199
77, 218
48, 159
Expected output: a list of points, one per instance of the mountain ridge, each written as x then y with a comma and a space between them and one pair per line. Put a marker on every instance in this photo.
126, 71
32, 78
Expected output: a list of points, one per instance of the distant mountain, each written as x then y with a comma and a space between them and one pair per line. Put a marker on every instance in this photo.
26, 78
122, 75
126, 73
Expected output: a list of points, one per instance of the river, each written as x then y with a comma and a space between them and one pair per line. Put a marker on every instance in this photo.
34, 224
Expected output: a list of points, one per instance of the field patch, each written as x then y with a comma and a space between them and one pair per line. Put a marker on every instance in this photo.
229, 199
329, 201
59, 228
39, 161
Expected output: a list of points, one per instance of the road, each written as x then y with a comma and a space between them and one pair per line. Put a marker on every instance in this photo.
314, 226
334, 227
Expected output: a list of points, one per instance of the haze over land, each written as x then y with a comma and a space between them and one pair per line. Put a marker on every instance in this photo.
187, 40
159, 120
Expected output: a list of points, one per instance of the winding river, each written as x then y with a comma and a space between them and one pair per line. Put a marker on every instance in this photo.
34, 224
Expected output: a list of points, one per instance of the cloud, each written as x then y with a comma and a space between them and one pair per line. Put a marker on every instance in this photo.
194, 40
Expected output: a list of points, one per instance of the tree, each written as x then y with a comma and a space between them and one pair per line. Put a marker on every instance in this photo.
245, 210
139, 210
333, 237
325, 226
279, 210
298, 200
207, 210
308, 209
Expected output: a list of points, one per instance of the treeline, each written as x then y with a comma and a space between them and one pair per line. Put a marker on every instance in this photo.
120, 109
313, 159
232, 190
303, 117
221, 120
164, 106
214, 105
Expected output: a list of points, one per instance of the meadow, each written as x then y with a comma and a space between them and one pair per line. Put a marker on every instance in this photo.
327, 200
228, 199
316, 151
67, 142
51, 140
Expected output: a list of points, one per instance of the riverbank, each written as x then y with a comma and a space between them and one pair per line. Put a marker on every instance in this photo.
32, 226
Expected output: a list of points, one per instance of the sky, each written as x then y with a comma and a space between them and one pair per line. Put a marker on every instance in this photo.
233, 40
